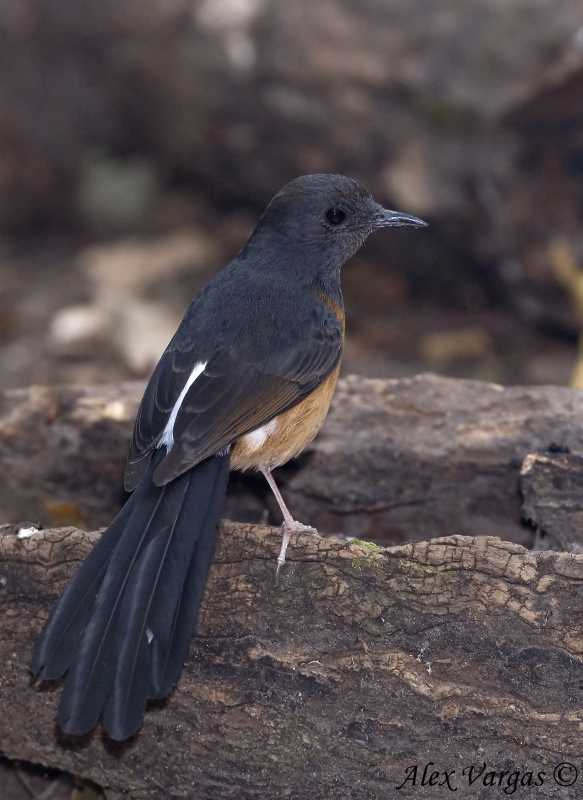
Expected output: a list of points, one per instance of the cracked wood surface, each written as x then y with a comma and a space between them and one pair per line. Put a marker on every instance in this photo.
552, 489
363, 662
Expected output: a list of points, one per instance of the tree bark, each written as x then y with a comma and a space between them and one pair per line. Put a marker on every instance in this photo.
362, 665
396, 460
552, 491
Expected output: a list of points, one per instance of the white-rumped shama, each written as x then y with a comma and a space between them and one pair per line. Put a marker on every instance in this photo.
245, 383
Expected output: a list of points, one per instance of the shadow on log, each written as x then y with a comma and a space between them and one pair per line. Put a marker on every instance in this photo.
363, 663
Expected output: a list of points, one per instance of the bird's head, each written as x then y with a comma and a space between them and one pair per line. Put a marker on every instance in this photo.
328, 217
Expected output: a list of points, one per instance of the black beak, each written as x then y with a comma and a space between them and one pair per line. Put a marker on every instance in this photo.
394, 219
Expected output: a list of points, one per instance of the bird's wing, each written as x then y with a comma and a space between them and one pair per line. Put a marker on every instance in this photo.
231, 397
163, 390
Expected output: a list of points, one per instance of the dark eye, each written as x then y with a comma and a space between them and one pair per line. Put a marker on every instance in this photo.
335, 216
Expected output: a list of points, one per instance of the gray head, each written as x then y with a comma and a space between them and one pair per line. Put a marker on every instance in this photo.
329, 215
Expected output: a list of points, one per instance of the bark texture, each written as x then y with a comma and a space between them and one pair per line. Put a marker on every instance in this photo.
363, 663
396, 460
552, 488
431, 456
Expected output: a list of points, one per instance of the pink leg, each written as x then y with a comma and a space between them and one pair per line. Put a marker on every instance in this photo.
290, 526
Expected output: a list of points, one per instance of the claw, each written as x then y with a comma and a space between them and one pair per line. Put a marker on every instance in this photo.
288, 529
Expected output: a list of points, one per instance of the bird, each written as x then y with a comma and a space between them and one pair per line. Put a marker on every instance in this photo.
245, 383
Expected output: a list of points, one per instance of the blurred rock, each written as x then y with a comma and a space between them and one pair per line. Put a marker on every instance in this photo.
135, 265
143, 331
120, 316
76, 330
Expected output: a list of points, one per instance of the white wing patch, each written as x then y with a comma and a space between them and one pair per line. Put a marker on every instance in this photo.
255, 439
167, 437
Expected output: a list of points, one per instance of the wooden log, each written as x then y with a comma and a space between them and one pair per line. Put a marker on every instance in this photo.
428, 456
396, 459
552, 491
363, 666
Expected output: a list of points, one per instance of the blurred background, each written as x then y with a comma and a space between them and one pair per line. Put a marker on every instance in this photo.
140, 141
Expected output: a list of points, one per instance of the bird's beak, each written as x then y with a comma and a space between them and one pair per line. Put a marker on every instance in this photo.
394, 219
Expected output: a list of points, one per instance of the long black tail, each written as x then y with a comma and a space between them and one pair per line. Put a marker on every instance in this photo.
122, 626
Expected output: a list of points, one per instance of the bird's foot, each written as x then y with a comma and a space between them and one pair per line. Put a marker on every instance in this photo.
288, 529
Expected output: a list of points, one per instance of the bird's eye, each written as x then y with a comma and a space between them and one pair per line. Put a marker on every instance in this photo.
335, 216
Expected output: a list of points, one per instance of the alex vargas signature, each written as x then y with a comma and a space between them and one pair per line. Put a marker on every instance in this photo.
479, 775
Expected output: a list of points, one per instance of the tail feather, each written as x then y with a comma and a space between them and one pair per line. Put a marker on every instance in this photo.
133, 585
168, 652
127, 700
93, 667
60, 636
